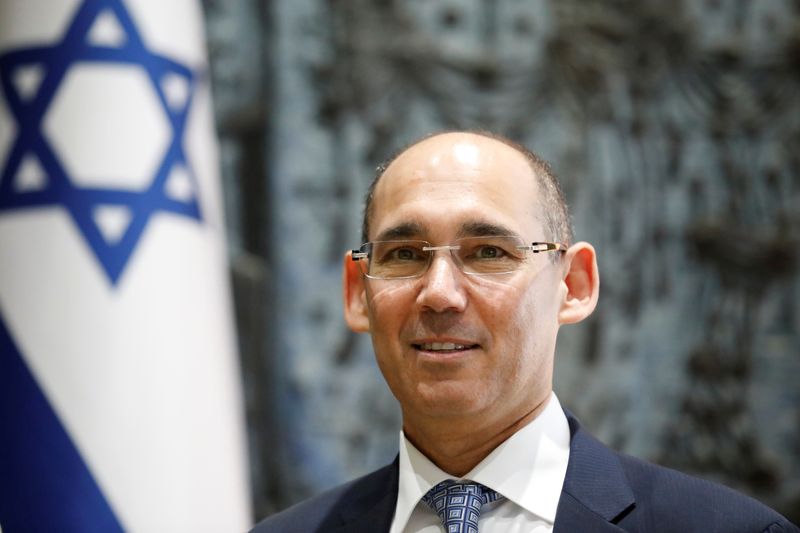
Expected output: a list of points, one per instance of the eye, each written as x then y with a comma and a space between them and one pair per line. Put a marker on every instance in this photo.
489, 252
398, 252
404, 254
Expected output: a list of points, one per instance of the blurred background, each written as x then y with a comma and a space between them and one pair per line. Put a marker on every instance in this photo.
674, 128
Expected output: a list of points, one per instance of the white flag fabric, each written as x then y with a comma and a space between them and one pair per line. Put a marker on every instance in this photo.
120, 397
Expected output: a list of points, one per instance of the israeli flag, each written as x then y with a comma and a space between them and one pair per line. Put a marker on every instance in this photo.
120, 405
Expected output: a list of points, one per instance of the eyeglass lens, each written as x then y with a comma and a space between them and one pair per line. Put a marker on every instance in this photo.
474, 255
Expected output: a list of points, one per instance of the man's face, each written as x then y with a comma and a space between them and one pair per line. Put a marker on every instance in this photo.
503, 326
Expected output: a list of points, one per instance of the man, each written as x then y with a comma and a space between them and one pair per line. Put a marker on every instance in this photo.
468, 273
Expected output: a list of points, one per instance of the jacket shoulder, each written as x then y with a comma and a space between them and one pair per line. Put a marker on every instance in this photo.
332, 508
687, 503
614, 490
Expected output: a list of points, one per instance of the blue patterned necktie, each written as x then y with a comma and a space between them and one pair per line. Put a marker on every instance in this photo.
458, 504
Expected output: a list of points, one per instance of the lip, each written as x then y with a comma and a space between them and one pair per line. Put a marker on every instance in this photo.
443, 349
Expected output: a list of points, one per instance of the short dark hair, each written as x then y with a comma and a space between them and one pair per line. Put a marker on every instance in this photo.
556, 218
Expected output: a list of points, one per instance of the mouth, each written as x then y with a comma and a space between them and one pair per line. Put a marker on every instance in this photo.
444, 347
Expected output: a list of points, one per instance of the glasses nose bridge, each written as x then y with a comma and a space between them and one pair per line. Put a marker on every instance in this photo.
452, 248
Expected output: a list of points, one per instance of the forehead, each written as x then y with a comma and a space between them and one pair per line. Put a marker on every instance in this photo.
449, 183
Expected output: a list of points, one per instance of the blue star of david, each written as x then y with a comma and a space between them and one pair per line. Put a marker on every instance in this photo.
59, 190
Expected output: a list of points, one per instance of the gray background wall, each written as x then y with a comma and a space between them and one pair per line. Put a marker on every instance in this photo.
674, 127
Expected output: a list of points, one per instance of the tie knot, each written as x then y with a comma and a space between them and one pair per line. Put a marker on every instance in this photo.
458, 504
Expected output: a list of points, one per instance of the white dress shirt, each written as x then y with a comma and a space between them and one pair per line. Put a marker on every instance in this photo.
528, 469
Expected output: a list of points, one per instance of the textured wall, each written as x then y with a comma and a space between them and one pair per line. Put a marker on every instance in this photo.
674, 127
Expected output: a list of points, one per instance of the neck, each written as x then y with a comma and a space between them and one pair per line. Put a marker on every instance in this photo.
457, 446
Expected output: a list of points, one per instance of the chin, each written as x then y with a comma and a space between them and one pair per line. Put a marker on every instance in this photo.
450, 399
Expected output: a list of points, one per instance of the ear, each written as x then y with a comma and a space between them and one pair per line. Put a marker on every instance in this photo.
582, 282
355, 296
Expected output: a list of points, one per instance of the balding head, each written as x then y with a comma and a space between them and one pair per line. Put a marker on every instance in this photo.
550, 205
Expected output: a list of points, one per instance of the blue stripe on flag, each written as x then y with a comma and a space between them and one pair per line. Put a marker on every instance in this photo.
44, 484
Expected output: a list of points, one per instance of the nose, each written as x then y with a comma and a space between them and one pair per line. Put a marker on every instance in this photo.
443, 285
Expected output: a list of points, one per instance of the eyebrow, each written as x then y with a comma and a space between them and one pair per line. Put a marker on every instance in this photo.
406, 230
475, 228
483, 229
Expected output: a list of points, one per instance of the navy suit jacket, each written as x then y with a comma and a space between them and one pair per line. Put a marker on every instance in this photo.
604, 492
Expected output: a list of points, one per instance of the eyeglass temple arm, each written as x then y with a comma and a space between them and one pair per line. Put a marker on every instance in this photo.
355, 255
538, 247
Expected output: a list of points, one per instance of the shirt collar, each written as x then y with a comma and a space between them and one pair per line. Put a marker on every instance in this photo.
528, 468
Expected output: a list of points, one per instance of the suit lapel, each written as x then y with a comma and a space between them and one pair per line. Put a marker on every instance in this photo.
375, 519
573, 516
596, 491
372, 509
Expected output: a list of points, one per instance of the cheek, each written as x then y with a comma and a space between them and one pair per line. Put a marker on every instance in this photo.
522, 318
508, 308
387, 303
